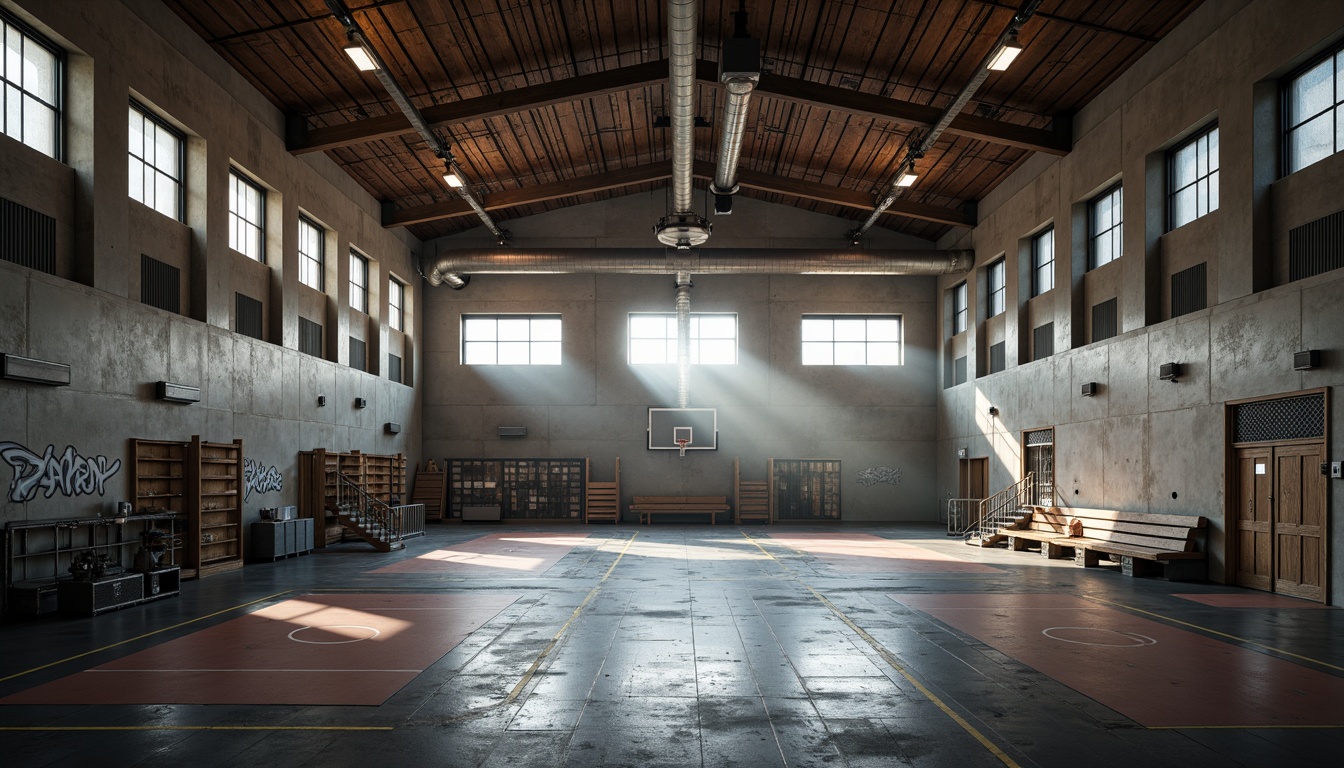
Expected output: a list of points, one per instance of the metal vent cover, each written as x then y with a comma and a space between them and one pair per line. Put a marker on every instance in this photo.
1105, 322
998, 357
1189, 290
358, 360
27, 237
1287, 418
959, 374
1316, 247
160, 284
310, 337
394, 368
1043, 341
1040, 437
247, 316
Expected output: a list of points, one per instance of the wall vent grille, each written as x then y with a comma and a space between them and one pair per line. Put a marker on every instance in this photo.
247, 316
997, 357
1316, 247
1287, 418
357, 355
394, 368
1189, 290
1105, 324
1043, 341
959, 373
27, 237
310, 337
160, 284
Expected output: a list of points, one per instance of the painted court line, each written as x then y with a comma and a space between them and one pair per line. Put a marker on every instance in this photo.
866, 553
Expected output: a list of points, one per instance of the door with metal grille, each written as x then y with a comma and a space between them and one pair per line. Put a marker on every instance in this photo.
1038, 458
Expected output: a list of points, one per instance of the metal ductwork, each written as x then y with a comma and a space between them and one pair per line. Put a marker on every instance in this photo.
739, 71
683, 339
926, 141
682, 227
455, 267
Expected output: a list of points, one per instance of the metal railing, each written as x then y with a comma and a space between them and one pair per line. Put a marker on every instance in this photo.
1001, 508
409, 519
962, 516
377, 521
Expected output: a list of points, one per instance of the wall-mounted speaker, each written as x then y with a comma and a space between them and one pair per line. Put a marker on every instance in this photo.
1089, 389
392, 428
1306, 360
513, 431
1169, 371
18, 368
361, 402
177, 393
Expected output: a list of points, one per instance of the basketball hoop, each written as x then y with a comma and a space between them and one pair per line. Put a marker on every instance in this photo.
682, 436
681, 445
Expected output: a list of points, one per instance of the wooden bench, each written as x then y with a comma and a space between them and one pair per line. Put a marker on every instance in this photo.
648, 506
1144, 543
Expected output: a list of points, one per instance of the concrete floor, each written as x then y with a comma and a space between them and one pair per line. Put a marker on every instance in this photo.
688, 645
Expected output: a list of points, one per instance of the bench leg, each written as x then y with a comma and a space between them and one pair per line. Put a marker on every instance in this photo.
1052, 551
1017, 544
1085, 557
1186, 570
1130, 566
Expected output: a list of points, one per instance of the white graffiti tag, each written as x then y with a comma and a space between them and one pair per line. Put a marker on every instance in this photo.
261, 478
68, 474
875, 475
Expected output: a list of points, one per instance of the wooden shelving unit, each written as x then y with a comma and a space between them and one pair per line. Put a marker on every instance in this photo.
214, 504
602, 499
804, 489
527, 489
159, 487
751, 498
382, 476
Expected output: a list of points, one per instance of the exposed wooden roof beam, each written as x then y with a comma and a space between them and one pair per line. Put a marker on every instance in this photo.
480, 107
626, 177
302, 140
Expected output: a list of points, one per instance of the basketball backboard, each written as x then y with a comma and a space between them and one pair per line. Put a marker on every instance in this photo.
698, 426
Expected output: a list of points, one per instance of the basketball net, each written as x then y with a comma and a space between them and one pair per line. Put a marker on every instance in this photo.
682, 443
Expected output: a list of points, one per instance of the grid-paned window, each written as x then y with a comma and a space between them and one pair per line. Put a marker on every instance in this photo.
1313, 112
30, 88
359, 282
511, 340
1043, 262
247, 217
1105, 222
312, 253
156, 159
652, 339
1192, 178
958, 309
851, 340
396, 304
997, 278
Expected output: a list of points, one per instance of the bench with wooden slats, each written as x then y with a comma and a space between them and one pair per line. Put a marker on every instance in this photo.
649, 506
1143, 542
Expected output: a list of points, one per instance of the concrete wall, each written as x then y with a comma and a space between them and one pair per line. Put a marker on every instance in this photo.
1144, 444
89, 315
595, 404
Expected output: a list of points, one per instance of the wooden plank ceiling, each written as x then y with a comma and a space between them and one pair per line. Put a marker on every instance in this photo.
552, 103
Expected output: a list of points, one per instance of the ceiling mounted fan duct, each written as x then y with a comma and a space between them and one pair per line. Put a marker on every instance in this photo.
682, 228
739, 71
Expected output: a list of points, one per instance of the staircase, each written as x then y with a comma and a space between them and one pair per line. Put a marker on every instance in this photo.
366, 517
980, 521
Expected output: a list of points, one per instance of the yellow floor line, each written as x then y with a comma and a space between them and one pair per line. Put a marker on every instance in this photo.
1269, 648
891, 659
142, 637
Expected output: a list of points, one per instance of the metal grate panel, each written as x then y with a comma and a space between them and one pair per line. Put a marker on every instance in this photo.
357, 355
310, 337
160, 284
1041, 437
1316, 246
1043, 341
959, 366
27, 237
247, 316
1288, 418
1189, 290
1105, 324
394, 368
997, 357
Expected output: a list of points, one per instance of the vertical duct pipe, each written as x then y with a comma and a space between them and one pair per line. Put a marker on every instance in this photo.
739, 71
683, 339
682, 228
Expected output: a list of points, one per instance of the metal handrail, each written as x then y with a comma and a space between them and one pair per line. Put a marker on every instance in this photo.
962, 516
372, 515
1002, 507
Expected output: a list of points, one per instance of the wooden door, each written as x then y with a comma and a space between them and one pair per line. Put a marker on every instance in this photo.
1255, 546
1299, 521
975, 478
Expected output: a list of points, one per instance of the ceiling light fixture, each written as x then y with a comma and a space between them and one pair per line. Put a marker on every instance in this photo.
908, 178
360, 57
1007, 52
452, 179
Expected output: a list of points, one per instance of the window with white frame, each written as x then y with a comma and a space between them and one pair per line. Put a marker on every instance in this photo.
958, 308
1104, 227
1313, 112
851, 340
396, 304
1043, 262
652, 338
359, 282
247, 217
1192, 178
996, 277
312, 253
511, 339
30, 87
156, 161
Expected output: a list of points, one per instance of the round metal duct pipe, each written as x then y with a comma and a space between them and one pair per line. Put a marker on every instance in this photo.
454, 267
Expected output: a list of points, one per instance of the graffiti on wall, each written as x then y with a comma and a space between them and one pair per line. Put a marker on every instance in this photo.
875, 475
68, 474
260, 478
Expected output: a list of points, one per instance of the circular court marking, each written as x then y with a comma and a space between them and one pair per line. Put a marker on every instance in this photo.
372, 634
1078, 635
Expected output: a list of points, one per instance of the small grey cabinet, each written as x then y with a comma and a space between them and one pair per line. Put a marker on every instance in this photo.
274, 539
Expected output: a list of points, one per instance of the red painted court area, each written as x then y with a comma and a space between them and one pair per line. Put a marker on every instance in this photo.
865, 553
497, 553
1154, 674
315, 649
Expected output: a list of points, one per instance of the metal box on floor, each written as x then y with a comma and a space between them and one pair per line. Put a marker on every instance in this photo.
90, 598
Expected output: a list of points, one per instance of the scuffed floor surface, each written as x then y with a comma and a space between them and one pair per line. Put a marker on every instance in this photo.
679, 645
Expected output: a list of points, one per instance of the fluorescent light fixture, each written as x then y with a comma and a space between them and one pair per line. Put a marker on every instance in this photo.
360, 57
908, 178
1006, 53
453, 180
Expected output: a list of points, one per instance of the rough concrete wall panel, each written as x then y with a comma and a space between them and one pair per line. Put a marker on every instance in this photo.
1256, 338
1186, 343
